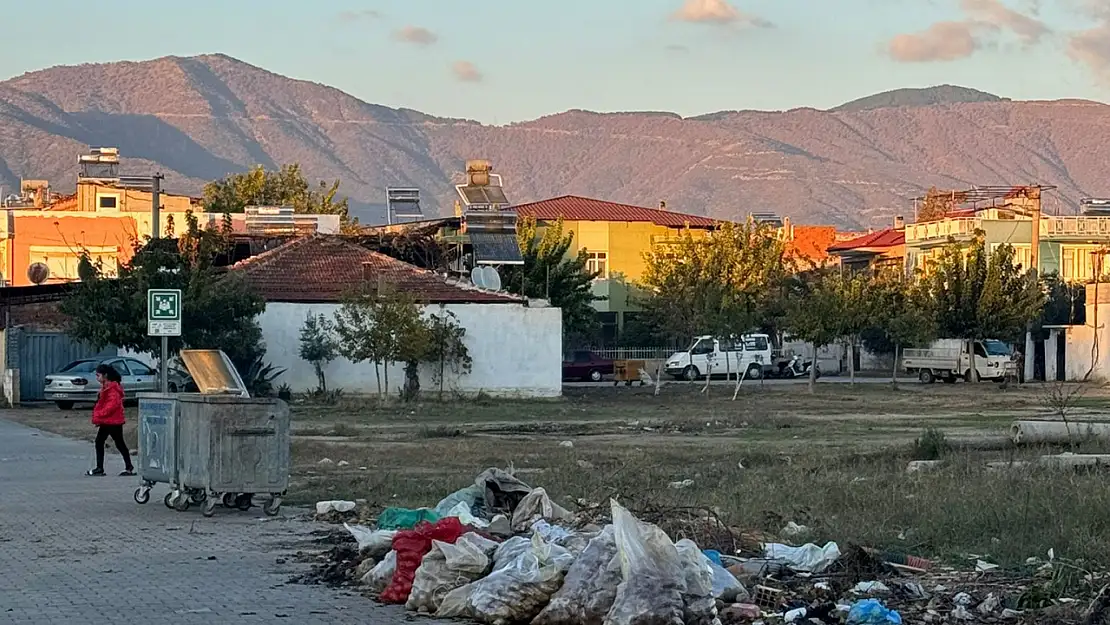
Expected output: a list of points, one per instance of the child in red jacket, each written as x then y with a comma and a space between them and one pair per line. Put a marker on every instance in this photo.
108, 417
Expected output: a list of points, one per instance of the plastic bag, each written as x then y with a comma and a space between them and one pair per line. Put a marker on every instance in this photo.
537, 505
653, 578
589, 588
509, 550
411, 547
379, 577
872, 612
725, 585
372, 543
461, 511
405, 519
517, 591
447, 567
700, 608
808, 557
456, 603
470, 496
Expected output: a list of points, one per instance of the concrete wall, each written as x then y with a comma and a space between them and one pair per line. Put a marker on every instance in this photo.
1088, 346
517, 351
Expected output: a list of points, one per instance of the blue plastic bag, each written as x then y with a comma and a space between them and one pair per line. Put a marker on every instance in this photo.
714, 556
872, 612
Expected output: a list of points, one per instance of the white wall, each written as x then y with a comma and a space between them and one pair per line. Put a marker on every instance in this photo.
517, 351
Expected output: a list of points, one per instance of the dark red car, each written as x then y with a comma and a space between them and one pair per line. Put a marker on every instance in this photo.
586, 365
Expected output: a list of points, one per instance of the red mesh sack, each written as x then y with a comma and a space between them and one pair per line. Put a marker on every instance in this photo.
411, 547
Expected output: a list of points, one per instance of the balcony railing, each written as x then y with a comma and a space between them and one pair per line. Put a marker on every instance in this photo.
961, 227
1075, 226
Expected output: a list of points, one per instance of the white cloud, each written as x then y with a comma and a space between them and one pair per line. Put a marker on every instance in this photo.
717, 12
467, 72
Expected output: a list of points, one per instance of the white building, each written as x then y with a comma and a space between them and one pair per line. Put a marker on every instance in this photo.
516, 345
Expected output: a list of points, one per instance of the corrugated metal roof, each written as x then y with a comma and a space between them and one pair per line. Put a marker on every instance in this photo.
577, 208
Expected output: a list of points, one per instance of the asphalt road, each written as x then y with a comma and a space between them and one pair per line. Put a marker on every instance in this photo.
840, 379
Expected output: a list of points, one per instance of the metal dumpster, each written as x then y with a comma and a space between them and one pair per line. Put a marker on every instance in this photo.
216, 446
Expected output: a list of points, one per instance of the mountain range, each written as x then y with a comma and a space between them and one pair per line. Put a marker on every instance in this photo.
857, 165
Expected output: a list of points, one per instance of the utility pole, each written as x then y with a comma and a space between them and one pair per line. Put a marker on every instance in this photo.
156, 233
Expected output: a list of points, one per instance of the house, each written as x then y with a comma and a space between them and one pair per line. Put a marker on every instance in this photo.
103, 218
876, 250
515, 344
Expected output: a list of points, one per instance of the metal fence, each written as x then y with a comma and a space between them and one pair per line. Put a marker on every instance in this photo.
635, 353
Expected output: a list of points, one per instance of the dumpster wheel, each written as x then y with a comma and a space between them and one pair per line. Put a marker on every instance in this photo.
181, 503
272, 507
209, 507
142, 494
243, 501
168, 500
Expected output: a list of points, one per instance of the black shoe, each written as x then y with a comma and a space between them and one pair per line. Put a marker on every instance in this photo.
127, 472
94, 472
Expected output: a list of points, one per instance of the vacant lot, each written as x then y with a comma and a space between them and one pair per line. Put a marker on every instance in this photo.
834, 461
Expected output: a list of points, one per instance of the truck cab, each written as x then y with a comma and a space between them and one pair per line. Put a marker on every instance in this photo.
707, 355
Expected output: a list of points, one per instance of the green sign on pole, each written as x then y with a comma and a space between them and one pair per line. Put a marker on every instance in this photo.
163, 316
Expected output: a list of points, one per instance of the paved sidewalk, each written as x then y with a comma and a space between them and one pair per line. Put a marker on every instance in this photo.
75, 549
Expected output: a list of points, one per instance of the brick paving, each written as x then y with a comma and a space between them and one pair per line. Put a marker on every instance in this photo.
75, 549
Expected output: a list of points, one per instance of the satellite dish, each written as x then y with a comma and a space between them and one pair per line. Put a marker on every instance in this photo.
494, 279
38, 273
477, 276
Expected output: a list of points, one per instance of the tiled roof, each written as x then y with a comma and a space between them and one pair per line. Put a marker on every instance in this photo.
577, 208
812, 242
883, 238
322, 268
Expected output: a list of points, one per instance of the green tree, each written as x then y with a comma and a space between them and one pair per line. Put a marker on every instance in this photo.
550, 272
979, 296
317, 347
901, 314
381, 325
814, 313
285, 187
447, 347
730, 282
219, 311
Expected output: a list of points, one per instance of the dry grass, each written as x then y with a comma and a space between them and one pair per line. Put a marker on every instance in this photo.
834, 461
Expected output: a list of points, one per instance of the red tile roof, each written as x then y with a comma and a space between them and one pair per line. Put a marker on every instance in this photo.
322, 268
577, 208
883, 238
811, 242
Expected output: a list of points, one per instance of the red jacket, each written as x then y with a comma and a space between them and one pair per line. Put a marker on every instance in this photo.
109, 405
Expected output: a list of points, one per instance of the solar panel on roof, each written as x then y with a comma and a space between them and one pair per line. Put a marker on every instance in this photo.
475, 195
495, 249
496, 195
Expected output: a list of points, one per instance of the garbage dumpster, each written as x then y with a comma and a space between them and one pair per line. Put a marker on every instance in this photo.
216, 446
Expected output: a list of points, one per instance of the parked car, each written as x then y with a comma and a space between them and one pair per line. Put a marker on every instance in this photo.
76, 382
586, 365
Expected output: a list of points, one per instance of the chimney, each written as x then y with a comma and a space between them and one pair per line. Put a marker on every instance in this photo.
787, 229
899, 223
662, 205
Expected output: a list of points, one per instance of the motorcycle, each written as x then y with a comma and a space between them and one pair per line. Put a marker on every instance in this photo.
794, 368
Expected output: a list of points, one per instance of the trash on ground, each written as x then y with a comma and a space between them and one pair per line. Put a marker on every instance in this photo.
325, 507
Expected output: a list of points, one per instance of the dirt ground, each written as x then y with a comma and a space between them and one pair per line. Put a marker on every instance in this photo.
834, 461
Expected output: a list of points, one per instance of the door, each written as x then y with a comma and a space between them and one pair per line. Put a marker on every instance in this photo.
1038, 360
144, 379
1061, 351
38, 354
701, 353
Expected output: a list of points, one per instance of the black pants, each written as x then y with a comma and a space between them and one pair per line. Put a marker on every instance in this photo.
116, 432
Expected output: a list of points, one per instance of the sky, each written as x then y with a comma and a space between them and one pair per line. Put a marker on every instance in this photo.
501, 61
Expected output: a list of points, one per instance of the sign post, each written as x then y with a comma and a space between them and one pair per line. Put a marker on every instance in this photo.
163, 319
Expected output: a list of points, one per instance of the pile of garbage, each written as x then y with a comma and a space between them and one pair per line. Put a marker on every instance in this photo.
501, 552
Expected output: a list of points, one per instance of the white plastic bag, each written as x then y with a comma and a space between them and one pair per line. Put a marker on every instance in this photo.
537, 505
653, 578
461, 511
517, 591
468, 496
372, 543
809, 557
726, 587
589, 588
381, 575
700, 608
447, 567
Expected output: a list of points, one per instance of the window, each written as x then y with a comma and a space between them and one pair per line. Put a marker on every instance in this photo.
729, 345
704, 346
1023, 255
120, 367
755, 343
138, 368
107, 202
1078, 263
597, 262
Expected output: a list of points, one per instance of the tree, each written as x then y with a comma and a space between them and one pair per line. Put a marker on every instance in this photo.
901, 313
446, 347
285, 187
549, 272
814, 314
936, 204
318, 347
727, 283
855, 307
381, 325
219, 311
977, 296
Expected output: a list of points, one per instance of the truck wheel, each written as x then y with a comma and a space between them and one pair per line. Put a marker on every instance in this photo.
595, 376
690, 373
755, 372
967, 376
926, 377
65, 405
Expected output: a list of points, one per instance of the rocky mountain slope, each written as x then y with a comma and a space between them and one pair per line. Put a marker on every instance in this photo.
200, 118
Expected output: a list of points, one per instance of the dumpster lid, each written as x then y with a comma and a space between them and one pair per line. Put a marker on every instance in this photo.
213, 372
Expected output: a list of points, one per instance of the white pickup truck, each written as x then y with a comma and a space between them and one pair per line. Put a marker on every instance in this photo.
948, 360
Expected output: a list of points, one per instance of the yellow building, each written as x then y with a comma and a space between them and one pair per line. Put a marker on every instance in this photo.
615, 238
